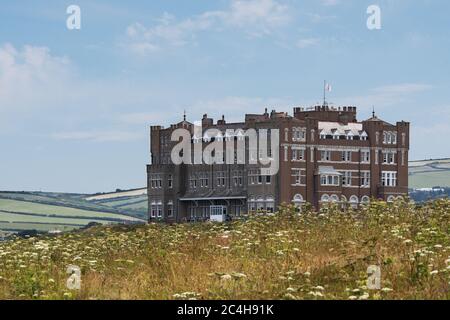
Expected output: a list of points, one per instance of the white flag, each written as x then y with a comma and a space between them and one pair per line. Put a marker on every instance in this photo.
328, 87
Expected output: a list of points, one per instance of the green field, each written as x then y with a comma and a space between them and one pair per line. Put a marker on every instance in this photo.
133, 205
136, 205
21, 226
429, 173
430, 179
23, 214
52, 210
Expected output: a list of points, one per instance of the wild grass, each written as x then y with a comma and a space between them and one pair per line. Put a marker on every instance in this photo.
285, 256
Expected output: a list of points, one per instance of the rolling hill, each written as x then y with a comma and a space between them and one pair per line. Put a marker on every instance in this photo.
429, 173
58, 212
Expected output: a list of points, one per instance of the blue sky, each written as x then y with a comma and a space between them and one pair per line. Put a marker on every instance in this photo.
75, 106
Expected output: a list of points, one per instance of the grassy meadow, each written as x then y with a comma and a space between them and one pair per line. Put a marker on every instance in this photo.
284, 256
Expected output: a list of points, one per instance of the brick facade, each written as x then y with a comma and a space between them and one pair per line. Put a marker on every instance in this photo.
325, 155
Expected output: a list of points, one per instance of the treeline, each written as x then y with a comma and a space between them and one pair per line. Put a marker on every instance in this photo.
426, 195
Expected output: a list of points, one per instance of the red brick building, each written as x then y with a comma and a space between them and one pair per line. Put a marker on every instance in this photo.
325, 155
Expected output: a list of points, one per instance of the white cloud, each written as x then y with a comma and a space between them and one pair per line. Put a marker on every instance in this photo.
41, 93
263, 13
28, 74
256, 17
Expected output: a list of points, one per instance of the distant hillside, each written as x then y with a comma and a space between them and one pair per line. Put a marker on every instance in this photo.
429, 173
43, 212
130, 201
118, 194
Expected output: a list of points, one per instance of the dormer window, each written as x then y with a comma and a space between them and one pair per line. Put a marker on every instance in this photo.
336, 134
196, 139
349, 135
240, 136
364, 136
206, 138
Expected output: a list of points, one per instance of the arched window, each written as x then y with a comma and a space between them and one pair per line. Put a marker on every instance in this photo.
298, 201
334, 198
297, 198
365, 200
260, 203
390, 199
354, 202
325, 198
159, 209
251, 204
270, 204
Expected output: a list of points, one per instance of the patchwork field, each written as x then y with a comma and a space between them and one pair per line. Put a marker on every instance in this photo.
30, 211
135, 205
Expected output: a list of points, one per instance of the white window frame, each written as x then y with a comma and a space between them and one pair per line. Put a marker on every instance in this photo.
325, 155
365, 156
347, 178
346, 156
389, 178
329, 180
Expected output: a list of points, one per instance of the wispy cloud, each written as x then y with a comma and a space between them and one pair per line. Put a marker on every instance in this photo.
256, 17
28, 74
309, 42
387, 96
330, 3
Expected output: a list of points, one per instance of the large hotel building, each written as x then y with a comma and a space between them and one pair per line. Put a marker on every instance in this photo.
325, 156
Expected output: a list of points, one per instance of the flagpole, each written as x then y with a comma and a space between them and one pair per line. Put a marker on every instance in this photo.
324, 92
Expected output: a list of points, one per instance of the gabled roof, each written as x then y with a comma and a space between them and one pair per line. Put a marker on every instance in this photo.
376, 119
336, 128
